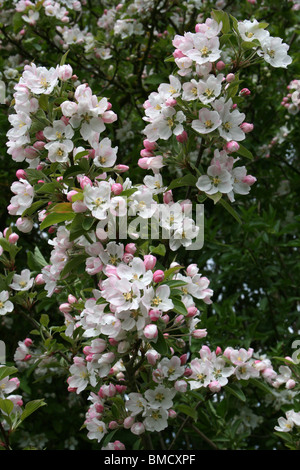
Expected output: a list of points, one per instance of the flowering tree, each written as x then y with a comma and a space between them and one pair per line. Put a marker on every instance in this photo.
126, 125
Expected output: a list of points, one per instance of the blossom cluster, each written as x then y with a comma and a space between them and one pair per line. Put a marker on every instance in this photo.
292, 100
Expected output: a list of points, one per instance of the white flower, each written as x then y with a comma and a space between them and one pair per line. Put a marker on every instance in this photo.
250, 30
97, 199
156, 419
274, 51
205, 50
135, 403
5, 305
216, 180
96, 429
231, 120
158, 299
22, 282
59, 151
160, 397
105, 155
208, 121
59, 131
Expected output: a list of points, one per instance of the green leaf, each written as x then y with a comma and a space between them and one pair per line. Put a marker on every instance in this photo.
171, 271
6, 370
262, 385
31, 407
44, 320
55, 218
219, 16
64, 58
230, 209
6, 406
108, 437
158, 250
186, 180
187, 410
244, 152
72, 264
179, 307
175, 283
160, 346
235, 390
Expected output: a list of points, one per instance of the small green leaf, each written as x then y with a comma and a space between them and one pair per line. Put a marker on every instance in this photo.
6, 406
244, 152
187, 410
55, 218
72, 264
235, 390
230, 209
31, 407
158, 250
44, 320
5, 371
186, 180
179, 307
160, 346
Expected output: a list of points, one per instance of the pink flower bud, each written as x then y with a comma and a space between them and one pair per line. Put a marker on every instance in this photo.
15, 381
230, 77
214, 386
113, 342
84, 180
27, 357
218, 351
127, 257
183, 137
158, 276
79, 206
39, 145
249, 179
152, 357
39, 280
220, 65
290, 384
146, 153
65, 308
121, 388
154, 314
121, 168
13, 238
86, 350
28, 342
165, 319
179, 320
130, 248
198, 334
180, 386
172, 414
168, 197
192, 269
183, 359
21, 174
137, 428
171, 102
128, 422
247, 127
245, 92
117, 188
150, 331
143, 163
177, 54
149, 261
72, 299
113, 425
70, 194
192, 311
149, 145
232, 146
